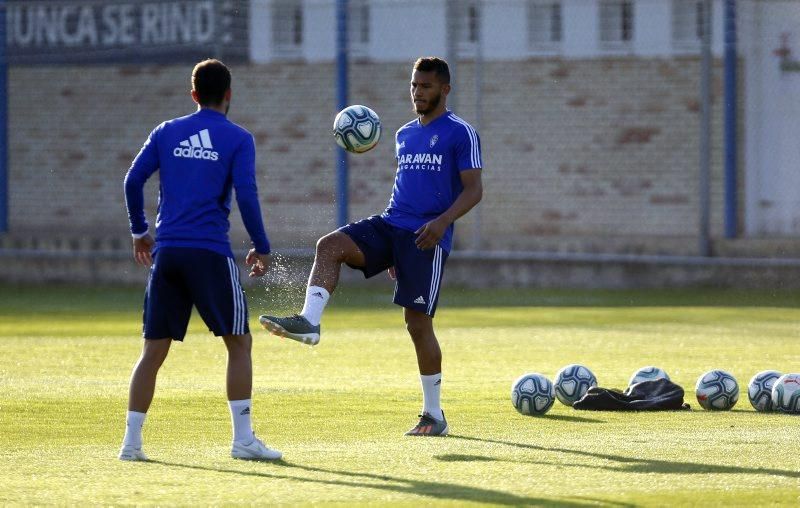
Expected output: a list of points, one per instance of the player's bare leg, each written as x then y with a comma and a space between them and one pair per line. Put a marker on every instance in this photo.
333, 249
429, 360
239, 385
142, 388
239, 379
429, 355
143, 379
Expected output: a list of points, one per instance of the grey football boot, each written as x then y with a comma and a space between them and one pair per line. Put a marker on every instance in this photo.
429, 426
294, 327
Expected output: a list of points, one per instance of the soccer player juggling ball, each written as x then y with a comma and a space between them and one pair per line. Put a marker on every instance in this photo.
200, 158
438, 180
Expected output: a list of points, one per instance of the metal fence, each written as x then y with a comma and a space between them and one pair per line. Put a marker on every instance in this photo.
591, 115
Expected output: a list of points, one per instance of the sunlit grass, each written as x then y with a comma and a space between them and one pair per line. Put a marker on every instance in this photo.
338, 411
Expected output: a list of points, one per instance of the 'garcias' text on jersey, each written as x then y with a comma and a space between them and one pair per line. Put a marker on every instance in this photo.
430, 159
423, 161
198, 146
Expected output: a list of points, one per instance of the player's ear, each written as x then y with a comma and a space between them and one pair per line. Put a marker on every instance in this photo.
228, 94
446, 88
195, 97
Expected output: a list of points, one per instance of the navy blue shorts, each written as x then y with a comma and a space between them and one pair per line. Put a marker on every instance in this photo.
419, 272
182, 277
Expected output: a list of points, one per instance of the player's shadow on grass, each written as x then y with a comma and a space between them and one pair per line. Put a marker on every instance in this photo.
637, 465
433, 489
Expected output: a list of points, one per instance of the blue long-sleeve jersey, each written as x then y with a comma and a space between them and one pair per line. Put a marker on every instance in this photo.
200, 157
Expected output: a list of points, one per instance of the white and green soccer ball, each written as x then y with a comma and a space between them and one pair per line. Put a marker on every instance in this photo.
717, 390
648, 373
759, 390
572, 382
786, 394
532, 394
357, 129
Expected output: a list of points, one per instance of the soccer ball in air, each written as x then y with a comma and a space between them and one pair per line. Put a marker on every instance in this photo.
572, 382
759, 390
532, 394
786, 394
717, 390
648, 373
357, 129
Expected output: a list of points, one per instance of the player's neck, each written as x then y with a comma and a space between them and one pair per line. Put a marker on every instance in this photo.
433, 115
219, 109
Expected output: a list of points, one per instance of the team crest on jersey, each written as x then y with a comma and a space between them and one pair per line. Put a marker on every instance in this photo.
434, 140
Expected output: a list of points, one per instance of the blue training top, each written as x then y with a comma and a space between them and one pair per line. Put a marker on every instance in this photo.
430, 159
200, 157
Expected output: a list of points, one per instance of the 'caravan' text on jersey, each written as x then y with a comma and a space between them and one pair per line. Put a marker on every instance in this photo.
430, 159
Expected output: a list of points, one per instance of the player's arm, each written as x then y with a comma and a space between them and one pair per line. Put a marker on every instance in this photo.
143, 166
429, 234
244, 182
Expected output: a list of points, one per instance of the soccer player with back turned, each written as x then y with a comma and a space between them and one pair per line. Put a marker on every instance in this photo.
200, 158
438, 180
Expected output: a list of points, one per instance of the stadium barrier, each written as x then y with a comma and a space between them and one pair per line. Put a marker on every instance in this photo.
477, 269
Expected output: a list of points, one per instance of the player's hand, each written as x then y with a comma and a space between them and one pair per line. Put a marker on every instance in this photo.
259, 263
391, 273
142, 248
429, 234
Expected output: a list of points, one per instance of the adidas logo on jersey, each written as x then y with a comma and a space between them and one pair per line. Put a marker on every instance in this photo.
198, 146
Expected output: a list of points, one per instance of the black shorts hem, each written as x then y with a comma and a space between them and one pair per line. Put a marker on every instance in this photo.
218, 334
409, 306
179, 339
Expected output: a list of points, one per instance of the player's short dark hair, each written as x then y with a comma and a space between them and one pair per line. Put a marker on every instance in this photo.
435, 64
211, 79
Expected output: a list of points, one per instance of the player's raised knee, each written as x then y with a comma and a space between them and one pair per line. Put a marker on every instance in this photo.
334, 245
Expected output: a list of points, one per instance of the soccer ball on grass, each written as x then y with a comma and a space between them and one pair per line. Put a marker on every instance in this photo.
532, 394
572, 382
786, 394
717, 390
759, 390
648, 373
357, 129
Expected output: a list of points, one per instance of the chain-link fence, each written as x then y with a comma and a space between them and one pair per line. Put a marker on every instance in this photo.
589, 113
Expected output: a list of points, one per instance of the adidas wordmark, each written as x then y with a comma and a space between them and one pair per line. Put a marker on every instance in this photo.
198, 146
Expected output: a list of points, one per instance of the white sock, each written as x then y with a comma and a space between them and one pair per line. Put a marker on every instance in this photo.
431, 395
316, 299
240, 418
133, 429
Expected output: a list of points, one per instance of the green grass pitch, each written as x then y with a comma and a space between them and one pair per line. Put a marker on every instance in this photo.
338, 411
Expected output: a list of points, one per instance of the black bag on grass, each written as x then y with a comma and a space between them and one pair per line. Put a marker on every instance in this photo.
656, 395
